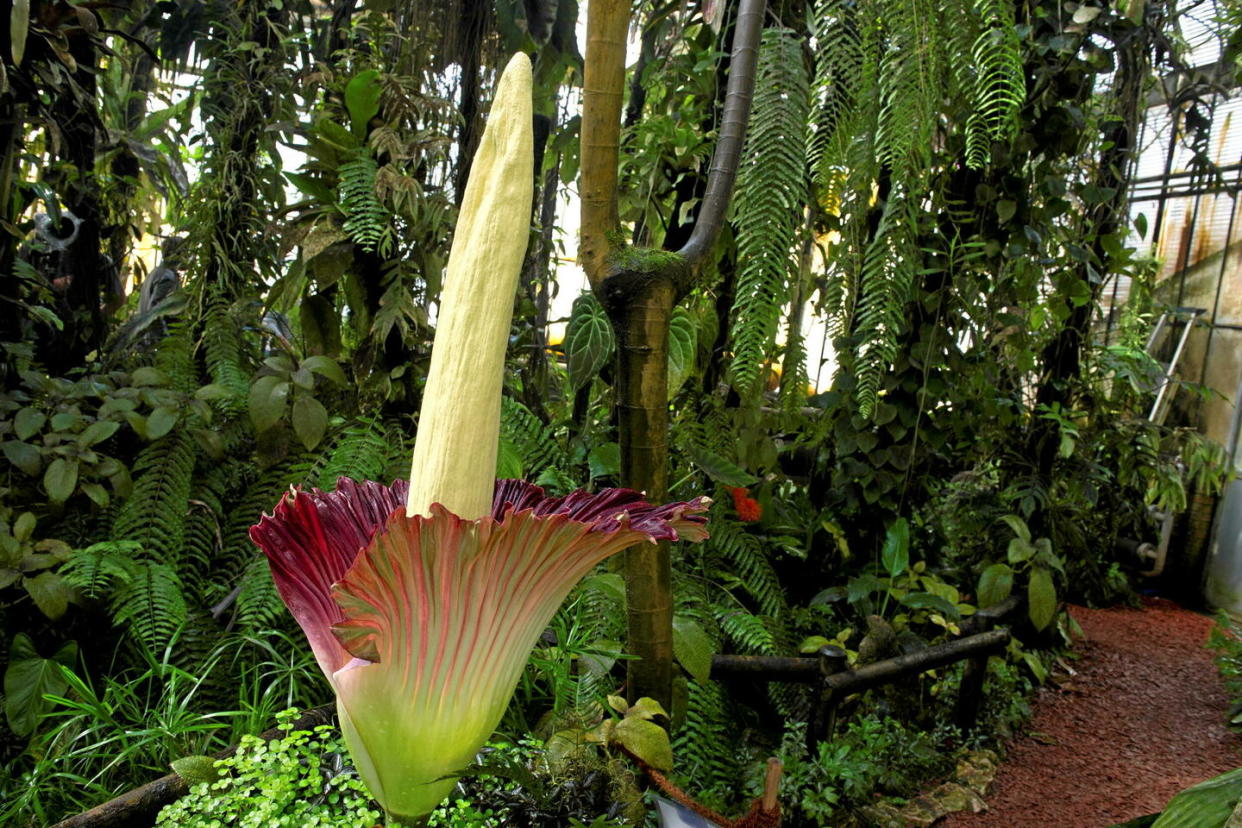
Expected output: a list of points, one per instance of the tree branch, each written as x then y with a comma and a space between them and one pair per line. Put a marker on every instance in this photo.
726, 158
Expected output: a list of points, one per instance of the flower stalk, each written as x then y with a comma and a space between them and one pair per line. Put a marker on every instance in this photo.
422, 600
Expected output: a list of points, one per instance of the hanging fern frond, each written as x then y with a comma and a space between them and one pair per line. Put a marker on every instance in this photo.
368, 224
1000, 87
885, 286
771, 192
221, 338
155, 513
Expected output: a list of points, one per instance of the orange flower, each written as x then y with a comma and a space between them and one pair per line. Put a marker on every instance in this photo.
748, 509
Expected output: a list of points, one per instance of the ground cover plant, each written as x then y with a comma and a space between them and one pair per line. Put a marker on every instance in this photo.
944, 183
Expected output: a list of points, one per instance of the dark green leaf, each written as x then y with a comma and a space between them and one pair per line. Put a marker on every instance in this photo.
1041, 596
19, 27
605, 461
97, 432
995, 584
148, 376
1209, 803
310, 420
267, 402
326, 368
28, 423
896, 554
692, 647
362, 97
60, 479
681, 345
161, 422
24, 527
29, 677
589, 340
928, 601
862, 586
50, 593
719, 468
1018, 526
23, 455
97, 493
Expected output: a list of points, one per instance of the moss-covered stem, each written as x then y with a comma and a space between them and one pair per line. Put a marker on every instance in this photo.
639, 289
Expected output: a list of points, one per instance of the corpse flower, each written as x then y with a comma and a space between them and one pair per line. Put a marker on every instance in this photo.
422, 601
423, 624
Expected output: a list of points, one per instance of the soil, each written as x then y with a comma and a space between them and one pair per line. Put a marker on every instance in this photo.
1142, 717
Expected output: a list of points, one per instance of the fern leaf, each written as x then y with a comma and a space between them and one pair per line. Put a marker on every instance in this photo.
367, 222
771, 192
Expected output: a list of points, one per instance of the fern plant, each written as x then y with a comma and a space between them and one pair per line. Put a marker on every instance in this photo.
771, 192
883, 75
367, 222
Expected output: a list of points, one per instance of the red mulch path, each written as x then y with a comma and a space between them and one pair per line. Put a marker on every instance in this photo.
1143, 718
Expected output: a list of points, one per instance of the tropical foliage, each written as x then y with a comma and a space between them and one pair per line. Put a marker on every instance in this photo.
226, 227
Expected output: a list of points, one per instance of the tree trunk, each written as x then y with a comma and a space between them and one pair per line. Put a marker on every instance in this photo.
639, 288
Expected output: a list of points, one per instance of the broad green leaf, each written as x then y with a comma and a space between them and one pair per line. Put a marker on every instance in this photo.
681, 345
1019, 551
995, 584
315, 188
28, 423
160, 422
23, 455
862, 586
19, 27
1205, 805
601, 656
362, 97
310, 420
692, 647
928, 601
195, 769
895, 556
589, 340
24, 526
60, 479
719, 468
605, 461
1036, 666
812, 644
29, 677
147, 375
647, 708
1018, 526
267, 402
50, 593
1041, 597
325, 367
97, 493
646, 740
97, 432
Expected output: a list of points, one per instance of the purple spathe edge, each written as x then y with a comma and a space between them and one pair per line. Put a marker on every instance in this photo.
312, 538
